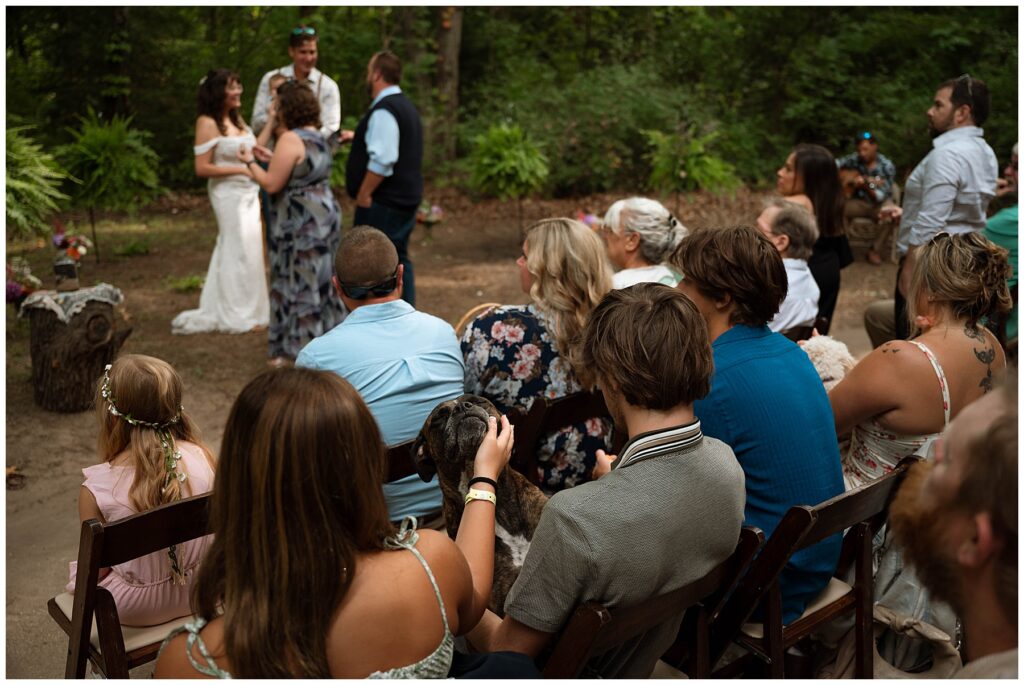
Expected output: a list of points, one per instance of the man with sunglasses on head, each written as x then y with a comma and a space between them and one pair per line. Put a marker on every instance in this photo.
949, 190
302, 48
402, 362
871, 176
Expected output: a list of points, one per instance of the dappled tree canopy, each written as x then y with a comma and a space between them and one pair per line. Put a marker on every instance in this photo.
583, 83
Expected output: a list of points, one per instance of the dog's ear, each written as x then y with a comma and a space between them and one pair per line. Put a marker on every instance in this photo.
425, 466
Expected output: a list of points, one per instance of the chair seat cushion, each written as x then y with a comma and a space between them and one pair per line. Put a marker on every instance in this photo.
134, 637
833, 591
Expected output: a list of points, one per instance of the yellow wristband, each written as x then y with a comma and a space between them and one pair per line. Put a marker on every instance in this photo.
481, 494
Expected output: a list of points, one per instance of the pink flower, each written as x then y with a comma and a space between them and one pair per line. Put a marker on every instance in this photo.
529, 352
502, 332
514, 334
498, 331
522, 369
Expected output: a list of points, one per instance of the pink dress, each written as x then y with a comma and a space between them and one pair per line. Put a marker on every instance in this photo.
143, 590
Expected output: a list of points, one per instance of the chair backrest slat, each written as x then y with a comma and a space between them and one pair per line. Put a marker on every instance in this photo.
400, 461
860, 504
166, 525
594, 629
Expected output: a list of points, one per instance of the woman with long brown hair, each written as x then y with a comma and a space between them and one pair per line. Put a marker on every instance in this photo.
234, 297
306, 576
152, 455
810, 178
902, 395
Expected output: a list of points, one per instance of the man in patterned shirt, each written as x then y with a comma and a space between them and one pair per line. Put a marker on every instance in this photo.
872, 176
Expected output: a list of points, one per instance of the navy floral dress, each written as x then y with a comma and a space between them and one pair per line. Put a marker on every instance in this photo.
511, 360
302, 241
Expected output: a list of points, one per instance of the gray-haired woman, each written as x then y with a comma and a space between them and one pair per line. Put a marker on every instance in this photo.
640, 234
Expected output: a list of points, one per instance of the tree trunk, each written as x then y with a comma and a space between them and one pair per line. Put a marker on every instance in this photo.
449, 41
95, 240
68, 359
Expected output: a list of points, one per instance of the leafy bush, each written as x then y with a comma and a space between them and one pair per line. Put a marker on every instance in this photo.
33, 185
507, 165
116, 167
681, 161
132, 248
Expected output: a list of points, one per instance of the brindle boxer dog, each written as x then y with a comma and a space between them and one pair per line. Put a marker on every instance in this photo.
447, 446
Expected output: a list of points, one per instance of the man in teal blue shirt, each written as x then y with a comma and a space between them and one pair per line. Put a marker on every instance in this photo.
402, 362
766, 401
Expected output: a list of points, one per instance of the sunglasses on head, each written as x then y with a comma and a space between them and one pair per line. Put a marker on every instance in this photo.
362, 292
865, 135
303, 31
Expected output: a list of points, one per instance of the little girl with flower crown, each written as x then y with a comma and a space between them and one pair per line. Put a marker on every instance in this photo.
152, 454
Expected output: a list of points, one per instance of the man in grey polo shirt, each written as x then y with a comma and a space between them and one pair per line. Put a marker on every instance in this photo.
664, 514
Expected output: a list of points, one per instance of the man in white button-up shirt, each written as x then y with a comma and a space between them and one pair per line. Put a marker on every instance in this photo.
302, 48
950, 188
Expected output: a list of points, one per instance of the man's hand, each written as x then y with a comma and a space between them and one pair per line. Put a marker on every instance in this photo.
604, 464
906, 271
890, 214
345, 136
364, 201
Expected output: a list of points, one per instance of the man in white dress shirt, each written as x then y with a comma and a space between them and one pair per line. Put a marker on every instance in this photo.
791, 229
302, 48
949, 190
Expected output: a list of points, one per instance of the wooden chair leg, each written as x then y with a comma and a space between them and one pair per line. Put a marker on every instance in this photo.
773, 641
864, 626
115, 663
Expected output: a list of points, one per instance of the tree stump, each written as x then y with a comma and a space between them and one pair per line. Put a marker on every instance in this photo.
68, 357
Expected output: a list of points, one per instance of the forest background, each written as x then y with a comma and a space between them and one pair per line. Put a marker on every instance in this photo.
597, 89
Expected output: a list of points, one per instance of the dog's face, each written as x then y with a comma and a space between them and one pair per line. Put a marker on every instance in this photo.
450, 437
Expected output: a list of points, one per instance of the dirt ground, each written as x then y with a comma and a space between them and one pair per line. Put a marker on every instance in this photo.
468, 259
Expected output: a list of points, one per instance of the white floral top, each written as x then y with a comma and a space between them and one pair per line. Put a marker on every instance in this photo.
511, 360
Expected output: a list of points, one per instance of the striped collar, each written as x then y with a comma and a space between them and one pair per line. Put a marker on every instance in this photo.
658, 443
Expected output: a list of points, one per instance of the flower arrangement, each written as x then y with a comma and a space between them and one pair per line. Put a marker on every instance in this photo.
429, 215
74, 246
20, 281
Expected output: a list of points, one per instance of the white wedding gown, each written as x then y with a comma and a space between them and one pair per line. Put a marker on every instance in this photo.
234, 297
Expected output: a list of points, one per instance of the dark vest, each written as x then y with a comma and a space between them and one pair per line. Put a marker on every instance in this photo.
403, 189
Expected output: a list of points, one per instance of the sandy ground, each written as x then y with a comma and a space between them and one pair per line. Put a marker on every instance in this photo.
468, 259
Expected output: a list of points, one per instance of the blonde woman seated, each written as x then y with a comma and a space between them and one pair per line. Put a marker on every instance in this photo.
904, 393
516, 353
640, 234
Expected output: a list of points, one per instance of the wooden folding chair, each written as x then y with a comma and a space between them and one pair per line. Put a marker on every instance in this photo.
400, 462
861, 512
472, 314
89, 616
594, 629
547, 415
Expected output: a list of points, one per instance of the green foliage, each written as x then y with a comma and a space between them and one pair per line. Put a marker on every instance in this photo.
680, 161
132, 248
33, 185
507, 165
116, 167
185, 284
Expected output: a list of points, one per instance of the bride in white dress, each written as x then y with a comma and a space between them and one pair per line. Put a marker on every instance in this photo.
234, 297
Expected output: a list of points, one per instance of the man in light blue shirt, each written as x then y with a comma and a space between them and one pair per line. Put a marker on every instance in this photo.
949, 190
402, 362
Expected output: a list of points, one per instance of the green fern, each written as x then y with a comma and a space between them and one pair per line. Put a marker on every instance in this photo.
33, 185
507, 165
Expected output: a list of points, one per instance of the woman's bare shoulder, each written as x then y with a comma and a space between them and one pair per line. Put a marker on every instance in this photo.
174, 661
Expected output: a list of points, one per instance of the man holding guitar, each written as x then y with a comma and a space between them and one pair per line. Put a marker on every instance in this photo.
867, 179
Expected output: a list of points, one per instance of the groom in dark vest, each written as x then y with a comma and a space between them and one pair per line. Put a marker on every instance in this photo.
384, 173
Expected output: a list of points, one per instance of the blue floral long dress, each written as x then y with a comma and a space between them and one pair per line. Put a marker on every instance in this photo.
303, 240
512, 360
